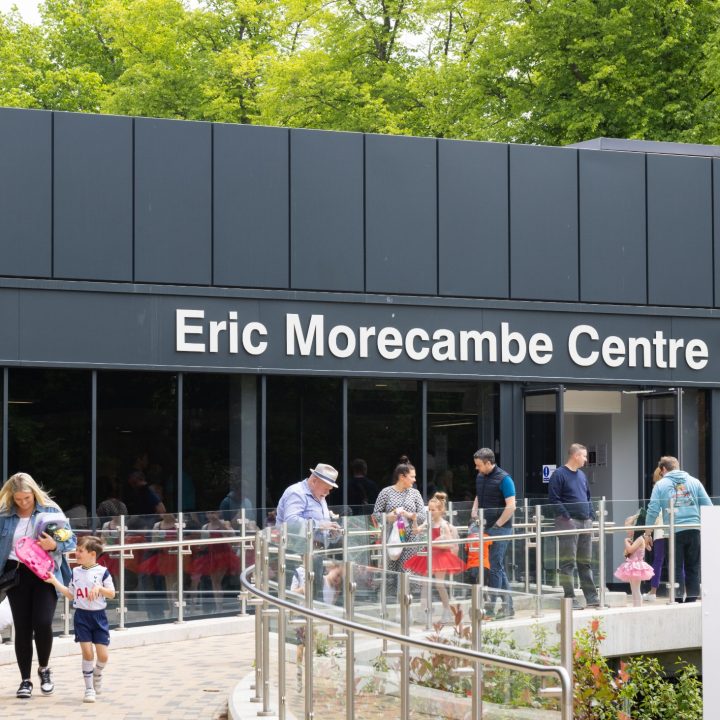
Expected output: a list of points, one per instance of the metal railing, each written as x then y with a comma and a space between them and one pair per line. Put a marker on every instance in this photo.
274, 608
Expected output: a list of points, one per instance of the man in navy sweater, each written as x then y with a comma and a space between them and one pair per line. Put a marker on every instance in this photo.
569, 493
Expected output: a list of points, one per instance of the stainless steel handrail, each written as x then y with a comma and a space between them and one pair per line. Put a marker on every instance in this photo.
471, 656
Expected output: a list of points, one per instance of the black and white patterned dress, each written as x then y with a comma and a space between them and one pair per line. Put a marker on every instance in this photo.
390, 500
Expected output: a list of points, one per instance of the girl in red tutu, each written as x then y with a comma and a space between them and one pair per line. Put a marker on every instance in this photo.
444, 557
163, 562
219, 560
634, 570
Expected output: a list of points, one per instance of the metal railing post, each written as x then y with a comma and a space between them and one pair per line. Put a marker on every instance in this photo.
429, 593
405, 601
259, 562
383, 565
349, 643
180, 524
267, 613
66, 618
566, 653
281, 584
671, 553
526, 508
538, 561
476, 618
310, 625
601, 551
481, 556
243, 594
122, 608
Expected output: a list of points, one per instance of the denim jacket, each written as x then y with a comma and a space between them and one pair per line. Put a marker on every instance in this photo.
8, 523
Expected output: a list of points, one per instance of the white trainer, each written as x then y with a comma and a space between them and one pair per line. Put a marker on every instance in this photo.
89, 696
649, 597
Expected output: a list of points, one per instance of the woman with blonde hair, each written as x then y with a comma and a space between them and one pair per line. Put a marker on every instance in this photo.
32, 601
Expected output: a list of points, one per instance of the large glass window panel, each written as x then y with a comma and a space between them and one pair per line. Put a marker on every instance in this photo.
220, 443
137, 440
384, 423
304, 427
462, 417
49, 434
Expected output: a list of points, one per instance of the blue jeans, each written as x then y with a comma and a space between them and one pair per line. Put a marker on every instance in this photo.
497, 577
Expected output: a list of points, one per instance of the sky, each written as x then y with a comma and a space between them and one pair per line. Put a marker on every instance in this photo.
28, 9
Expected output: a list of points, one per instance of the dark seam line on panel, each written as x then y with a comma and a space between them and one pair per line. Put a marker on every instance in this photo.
437, 217
577, 239
364, 210
647, 239
134, 190
509, 225
212, 203
289, 220
52, 195
712, 229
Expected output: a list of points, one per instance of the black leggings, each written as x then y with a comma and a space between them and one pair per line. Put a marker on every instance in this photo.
33, 603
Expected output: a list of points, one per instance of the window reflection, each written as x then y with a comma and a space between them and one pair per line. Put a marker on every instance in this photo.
137, 440
49, 425
304, 427
461, 418
220, 458
384, 422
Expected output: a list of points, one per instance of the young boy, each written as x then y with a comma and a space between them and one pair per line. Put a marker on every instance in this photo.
90, 589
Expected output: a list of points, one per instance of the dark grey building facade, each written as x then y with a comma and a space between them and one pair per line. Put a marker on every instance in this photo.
220, 304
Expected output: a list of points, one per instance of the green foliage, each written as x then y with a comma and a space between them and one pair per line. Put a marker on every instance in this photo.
508, 70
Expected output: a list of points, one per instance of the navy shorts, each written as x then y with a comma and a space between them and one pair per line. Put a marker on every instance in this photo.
91, 626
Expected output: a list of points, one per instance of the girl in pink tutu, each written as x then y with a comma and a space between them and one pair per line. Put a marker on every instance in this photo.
444, 557
634, 570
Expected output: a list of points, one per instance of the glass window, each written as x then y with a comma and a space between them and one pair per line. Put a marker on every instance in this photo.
384, 423
137, 439
462, 417
49, 426
304, 427
220, 443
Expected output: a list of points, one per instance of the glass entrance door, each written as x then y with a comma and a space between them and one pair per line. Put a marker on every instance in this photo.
543, 430
660, 417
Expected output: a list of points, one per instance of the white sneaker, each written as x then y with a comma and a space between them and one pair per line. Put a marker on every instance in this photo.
649, 597
97, 682
89, 696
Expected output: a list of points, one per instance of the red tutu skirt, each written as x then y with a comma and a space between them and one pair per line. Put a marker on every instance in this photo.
111, 560
159, 562
218, 559
442, 561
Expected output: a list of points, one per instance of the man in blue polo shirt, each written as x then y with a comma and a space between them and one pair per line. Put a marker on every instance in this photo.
495, 494
569, 493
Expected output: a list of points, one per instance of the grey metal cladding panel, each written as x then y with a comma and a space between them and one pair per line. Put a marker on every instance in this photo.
543, 223
613, 248
92, 177
679, 208
716, 227
327, 210
250, 206
88, 328
173, 201
473, 219
401, 215
25, 193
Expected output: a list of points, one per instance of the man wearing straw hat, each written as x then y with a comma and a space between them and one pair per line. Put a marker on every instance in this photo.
305, 501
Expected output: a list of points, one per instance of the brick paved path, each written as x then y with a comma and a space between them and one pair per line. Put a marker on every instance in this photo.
184, 680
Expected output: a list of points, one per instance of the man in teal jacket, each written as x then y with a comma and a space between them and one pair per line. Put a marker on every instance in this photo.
688, 495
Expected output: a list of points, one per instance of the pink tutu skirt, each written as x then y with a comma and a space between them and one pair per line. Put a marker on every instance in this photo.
634, 570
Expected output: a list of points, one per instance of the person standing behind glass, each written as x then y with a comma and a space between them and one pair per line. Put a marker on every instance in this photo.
495, 494
401, 499
305, 501
32, 601
569, 492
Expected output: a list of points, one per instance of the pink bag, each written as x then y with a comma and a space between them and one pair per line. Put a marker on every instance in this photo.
31, 554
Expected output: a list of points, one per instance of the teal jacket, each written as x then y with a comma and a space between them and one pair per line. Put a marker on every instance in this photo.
9, 521
687, 492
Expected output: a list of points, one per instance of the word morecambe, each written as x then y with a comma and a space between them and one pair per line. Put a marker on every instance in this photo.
585, 347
